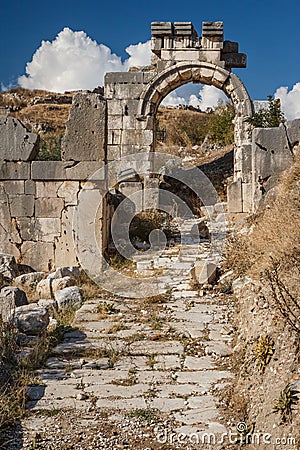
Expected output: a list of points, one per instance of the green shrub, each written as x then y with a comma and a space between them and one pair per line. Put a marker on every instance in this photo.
269, 117
50, 147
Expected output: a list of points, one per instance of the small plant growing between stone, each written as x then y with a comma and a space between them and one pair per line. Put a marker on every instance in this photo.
263, 351
144, 415
285, 402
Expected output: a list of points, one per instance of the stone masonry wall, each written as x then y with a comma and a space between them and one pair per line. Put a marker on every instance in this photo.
38, 198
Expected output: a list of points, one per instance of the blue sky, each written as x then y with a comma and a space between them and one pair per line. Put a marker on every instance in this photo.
268, 31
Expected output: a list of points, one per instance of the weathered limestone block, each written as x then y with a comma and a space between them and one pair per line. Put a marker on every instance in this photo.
49, 170
10, 298
247, 197
65, 251
47, 287
21, 205
47, 229
49, 304
234, 197
16, 142
151, 193
47, 189
271, 152
70, 297
204, 272
84, 170
28, 280
69, 271
14, 187
31, 319
69, 192
14, 170
30, 187
133, 190
85, 129
49, 207
124, 77
38, 255
9, 228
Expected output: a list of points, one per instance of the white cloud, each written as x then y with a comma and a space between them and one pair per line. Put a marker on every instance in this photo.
290, 101
139, 54
173, 99
74, 61
209, 97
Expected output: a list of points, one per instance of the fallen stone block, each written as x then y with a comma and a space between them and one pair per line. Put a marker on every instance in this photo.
61, 272
70, 297
47, 287
204, 272
10, 298
49, 304
31, 319
8, 266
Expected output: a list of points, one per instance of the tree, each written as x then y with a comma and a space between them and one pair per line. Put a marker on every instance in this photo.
269, 117
221, 129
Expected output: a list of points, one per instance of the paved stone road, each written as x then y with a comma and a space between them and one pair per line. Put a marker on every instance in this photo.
162, 354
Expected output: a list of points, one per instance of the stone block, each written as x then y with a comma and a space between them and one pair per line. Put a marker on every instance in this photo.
114, 137
84, 170
30, 187
46, 229
69, 192
114, 107
31, 319
234, 197
230, 47
270, 152
38, 255
49, 170
68, 297
48, 207
65, 251
14, 170
219, 78
246, 163
133, 190
247, 197
21, 205
293, 131
115, 122
84, 139
204, 272
47, 287
14, 187
151, 193
113, 152
128, 91
16, 142
47, 189
123, 77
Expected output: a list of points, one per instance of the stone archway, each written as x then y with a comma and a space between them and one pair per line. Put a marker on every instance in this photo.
204, 73
180, 56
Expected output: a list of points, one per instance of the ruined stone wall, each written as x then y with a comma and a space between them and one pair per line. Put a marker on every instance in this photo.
38, 199
271, 151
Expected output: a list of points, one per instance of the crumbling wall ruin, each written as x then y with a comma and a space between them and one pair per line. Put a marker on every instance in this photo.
38, 198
